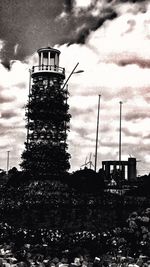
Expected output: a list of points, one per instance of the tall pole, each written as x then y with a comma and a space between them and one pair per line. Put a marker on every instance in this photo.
8, 161
97, 131
28, 107
120, 135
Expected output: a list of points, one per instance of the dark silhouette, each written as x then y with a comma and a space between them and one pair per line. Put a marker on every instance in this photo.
87, 180
47, 119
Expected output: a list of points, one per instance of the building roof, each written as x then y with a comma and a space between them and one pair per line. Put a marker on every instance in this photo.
48, 48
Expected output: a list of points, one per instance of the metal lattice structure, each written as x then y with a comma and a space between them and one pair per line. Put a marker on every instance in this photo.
47, 118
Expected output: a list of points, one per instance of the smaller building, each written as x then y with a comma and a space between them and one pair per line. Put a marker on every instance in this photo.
120, 170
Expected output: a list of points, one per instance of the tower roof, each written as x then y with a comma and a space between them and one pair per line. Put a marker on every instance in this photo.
46, 49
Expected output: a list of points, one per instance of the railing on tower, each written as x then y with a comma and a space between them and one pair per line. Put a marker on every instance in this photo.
53, 68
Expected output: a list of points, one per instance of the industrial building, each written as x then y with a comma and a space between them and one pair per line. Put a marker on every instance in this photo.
120, 169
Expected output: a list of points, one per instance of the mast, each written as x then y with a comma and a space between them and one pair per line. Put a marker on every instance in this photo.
120, 135
98, 111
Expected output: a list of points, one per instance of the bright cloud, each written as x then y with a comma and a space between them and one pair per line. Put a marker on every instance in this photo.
83, 3
13, 97
115, 60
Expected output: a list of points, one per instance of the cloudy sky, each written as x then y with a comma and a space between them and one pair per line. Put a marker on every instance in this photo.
111, 42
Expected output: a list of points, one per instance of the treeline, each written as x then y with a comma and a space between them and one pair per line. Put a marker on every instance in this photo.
85, 180
142, 186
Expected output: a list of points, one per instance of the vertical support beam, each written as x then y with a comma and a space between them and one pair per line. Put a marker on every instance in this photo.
131, 169
97, 132
57, 60
103, 166
28, 108
41, 58
46, 61
120, 135
123, 172
49, 58
107, 170
39, 61
65, 121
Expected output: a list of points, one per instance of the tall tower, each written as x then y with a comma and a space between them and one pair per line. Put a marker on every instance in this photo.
48, 119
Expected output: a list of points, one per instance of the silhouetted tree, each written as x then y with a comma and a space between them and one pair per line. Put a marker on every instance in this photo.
87, 180
46, 154
15, 177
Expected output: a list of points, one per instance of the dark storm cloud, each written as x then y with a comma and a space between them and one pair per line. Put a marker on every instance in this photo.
109, 144
147, 136
142, 63
3, 147
147, 98
92, 24
7, 129
8, 114
6, 99
4, 129
139, 115
83, 132
76, 111
141, 147
105, 129
127, 132
68, 5
32, 24
132, 1
27, 25
131, 24
21, 85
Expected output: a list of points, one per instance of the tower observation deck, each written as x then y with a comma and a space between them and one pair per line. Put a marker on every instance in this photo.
48, 119
48, 63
